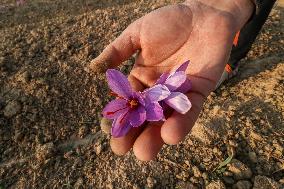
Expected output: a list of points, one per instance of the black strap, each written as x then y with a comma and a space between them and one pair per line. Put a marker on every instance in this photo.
250, 31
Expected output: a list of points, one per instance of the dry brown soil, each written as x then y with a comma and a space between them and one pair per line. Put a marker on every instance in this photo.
50, 106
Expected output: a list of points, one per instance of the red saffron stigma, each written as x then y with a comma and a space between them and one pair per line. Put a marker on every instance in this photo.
123, 117
115, 95
110, 113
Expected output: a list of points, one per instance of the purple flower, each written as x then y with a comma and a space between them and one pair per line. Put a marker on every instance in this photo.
132, 109
178, 84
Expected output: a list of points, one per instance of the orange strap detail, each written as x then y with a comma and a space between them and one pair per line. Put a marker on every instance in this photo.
236, 40
228, 68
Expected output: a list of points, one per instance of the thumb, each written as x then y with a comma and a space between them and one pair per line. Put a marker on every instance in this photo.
119, 50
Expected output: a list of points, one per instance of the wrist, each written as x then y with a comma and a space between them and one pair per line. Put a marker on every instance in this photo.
240, 10
243, 10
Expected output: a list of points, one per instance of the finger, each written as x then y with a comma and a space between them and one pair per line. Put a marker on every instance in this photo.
149, 142
119, 50
201, 85
177, 126
122, 145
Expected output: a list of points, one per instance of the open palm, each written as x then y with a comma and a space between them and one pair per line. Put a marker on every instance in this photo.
166, 38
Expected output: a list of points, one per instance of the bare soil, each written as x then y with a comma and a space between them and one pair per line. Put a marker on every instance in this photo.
50, 134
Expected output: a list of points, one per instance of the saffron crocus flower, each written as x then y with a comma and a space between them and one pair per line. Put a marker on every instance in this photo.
132, 109
178, 84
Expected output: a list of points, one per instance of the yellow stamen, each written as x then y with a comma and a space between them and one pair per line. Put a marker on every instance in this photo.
133, 103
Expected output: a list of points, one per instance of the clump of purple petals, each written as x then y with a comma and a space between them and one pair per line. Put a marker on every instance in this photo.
132, 109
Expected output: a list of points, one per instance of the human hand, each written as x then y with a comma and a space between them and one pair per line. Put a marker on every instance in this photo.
199, 31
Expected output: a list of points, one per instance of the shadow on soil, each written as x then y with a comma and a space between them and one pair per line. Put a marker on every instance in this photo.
12, 15
262, 119
251, 68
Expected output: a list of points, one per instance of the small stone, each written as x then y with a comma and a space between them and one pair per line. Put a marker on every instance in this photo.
179, 176
185, 175
196, 171
135, 186
106, 125
151, 182
68, 155
217, 151
24, 77
82, 131
240, 170
187, 163
278, 146
185, 185
233, 143
78, 150
263, 182
228, 180
109, 186
255, 136
98, 148
207, 159
2, 61
194, 180
45, 151
216, 110
12, 109
9, 150
205, 176
216, 185
18, 136
79, 183
242, 184
252, 156
228, 174
207, 133
278, 153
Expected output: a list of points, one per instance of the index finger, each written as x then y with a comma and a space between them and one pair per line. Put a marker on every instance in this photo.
119, 50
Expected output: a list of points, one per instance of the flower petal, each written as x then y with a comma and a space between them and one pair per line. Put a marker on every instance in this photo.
115, 108
140, 97
185, 87
154, 112
157, 93
175, 80
162, 78
179, 102
120, 126
183, 66
137, 116
118, 83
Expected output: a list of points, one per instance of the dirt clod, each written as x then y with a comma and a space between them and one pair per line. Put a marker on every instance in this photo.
242, 184
239, 170
19, 135
263, 182
79, 183
196, 171
106, 125
45, 151
151, 182
51, 104
216, 185
12, 109
252, 156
